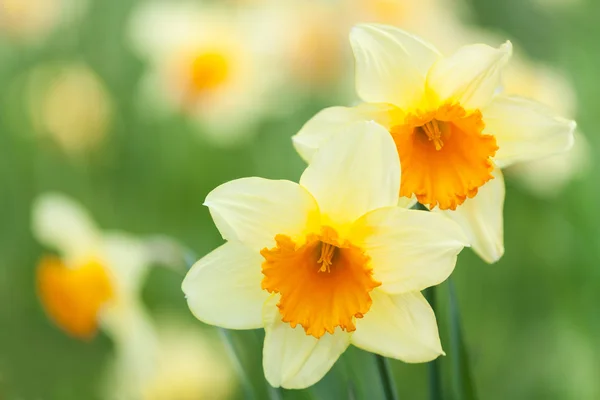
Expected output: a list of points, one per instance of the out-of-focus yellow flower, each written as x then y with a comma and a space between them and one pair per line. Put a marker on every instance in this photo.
451, 127
34, 19
547, 176
190, 365
326, 263
70, 105
94, 280
314, 46
208, 62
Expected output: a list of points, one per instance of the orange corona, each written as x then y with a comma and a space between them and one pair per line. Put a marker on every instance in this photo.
324, 283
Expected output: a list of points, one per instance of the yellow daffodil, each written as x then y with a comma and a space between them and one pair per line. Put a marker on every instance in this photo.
70, 105
326, 263
207, 62
451, 126
94, 280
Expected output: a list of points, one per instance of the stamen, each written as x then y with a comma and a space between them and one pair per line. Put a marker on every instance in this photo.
327, 251
434, 133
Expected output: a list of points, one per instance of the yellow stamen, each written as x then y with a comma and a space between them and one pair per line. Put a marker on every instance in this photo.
327, 251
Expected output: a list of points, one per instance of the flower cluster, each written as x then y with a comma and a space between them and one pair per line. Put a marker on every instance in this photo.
340, 258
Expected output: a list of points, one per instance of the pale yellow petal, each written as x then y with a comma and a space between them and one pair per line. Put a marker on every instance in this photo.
526, 130
470, 76
128, 259
391, 65
481, 219
401, 326
254, 210
354, 172
64, 225
410, 250
291, 358
223, 288
332, 120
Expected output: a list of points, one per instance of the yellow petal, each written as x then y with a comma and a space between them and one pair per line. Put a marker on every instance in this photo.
223, 288
62, 224
255, 210
333, 120
526, 130
481, 219
470, 76
391, 65
354, 172
410, 250
401, 326
291, 358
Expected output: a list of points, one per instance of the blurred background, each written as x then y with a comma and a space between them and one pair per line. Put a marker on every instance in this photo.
137, 109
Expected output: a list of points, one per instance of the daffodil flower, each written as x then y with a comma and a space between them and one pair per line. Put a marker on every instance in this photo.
207, 62
451, 126
326, 263
94, 281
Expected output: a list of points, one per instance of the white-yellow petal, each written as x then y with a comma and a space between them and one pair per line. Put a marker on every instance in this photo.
291, 358
254, 210
391, 65
332, 120
401, 326
410, 250
481, 219
128, 259
64, 225
470, 76
526, 130
223, 288
354, 172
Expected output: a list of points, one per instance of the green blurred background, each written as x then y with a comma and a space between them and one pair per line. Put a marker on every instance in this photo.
531, 322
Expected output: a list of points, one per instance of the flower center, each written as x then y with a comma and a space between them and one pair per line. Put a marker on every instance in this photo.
445, 157
73, 297
324, 283
207, 71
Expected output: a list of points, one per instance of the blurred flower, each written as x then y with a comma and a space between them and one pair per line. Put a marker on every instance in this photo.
70, 105
35, 19
547, 176
94, 281
208, 62
314, 36
339, 257
190, 365
451, 128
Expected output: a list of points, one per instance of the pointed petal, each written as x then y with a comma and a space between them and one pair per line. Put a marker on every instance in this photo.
481, 219
470, 76
400, 326
223, 288
291, 358
333, 120
254, 210
354, 172
410, 250
391, 65
526, 130
63, 224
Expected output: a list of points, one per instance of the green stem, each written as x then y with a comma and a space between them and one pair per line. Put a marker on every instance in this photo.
461, 374
433, 367
245, 381
387, 381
